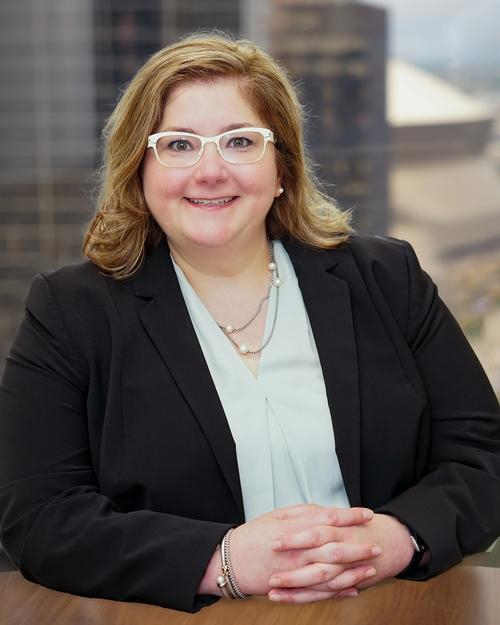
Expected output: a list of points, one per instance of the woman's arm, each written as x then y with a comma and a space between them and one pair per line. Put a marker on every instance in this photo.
455, 505
55, 523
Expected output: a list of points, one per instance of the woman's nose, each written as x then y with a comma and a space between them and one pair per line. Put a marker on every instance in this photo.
211, 167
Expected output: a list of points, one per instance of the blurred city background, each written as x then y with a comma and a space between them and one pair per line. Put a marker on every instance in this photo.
403, 105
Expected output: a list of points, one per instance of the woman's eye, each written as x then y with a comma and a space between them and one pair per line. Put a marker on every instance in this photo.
239, 142
180, 145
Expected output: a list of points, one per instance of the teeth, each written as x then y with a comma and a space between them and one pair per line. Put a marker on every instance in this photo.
221, 200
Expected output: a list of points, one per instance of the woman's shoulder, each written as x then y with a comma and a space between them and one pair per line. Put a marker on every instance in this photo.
393, 277
76, 275
79, 308
384, 249
73, 290
391, 263
81, 279
388, 255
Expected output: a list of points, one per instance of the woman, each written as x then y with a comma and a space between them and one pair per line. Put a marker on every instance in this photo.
167, 406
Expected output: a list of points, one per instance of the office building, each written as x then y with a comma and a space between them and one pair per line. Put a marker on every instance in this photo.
336, 53
62, 66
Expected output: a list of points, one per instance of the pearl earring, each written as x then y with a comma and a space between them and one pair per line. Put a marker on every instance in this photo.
280, 190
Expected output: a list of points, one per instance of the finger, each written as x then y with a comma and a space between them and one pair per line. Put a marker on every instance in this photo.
300, 595
310, 575
352, 577
342, 517
328, 515
321, 541
341, 553
305, 539
292, 512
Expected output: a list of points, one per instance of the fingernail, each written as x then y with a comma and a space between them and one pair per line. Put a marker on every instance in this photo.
349, 593
275, 597
367, 514
376, 550
276, 544
275, 581
370, 572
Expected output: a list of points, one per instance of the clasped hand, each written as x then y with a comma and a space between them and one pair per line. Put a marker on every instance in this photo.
308, 552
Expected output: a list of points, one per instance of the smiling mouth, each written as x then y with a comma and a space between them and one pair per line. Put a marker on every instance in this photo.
216, 201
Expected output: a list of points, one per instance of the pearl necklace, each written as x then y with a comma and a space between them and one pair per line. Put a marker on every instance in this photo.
276, 282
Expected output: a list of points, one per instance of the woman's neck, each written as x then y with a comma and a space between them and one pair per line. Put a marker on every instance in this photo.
231, 285
209, 267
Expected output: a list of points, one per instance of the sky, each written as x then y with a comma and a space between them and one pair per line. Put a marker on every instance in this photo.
455, 32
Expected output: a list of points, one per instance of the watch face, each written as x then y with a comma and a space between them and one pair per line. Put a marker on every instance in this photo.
415, 544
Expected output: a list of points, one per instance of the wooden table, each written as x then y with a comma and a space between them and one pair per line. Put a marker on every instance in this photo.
465, 595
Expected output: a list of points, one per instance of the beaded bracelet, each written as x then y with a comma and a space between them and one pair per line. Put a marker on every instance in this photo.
227, 581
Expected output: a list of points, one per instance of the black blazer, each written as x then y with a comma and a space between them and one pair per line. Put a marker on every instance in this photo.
118, 472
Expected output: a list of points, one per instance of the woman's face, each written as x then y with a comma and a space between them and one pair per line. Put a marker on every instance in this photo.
235, 198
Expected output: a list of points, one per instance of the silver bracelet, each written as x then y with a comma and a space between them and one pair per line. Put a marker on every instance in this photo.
227, 580
223, 584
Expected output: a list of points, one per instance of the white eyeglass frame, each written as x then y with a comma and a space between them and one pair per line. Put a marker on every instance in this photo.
267, 134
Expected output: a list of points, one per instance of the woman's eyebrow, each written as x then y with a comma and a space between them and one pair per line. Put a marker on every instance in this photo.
224, 129
177, 129
238, 125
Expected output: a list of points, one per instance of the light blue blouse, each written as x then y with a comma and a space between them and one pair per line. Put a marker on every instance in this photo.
280, 421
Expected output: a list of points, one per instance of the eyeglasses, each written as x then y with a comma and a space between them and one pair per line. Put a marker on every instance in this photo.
183, 149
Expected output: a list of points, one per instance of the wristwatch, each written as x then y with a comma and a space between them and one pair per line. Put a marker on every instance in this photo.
420, 548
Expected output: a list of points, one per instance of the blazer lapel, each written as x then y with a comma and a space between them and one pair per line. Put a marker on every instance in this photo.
328, 304
326, 295
166, 320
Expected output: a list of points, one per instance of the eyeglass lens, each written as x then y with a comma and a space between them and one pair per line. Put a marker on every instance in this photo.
235, 147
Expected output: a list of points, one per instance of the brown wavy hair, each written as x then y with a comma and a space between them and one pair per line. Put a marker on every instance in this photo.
123, 229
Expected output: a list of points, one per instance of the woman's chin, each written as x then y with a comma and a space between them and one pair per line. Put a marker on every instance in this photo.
211, 239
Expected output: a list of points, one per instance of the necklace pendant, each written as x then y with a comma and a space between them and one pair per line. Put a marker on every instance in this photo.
243, 349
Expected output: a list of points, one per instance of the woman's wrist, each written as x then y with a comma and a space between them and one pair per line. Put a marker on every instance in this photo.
208, 583
219, 578
227, 581
404, 543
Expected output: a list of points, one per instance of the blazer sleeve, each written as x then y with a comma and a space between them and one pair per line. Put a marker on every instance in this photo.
55, 524
455, 507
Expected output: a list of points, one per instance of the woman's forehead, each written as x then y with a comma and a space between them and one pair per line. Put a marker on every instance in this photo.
217, 104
